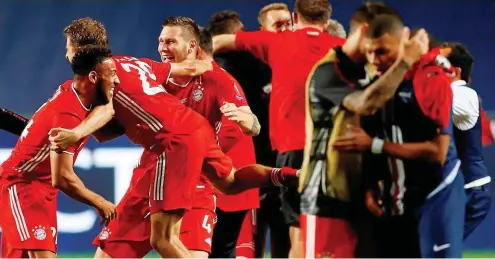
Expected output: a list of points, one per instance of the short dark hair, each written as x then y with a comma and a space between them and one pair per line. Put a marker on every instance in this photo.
86, 31
368, 11
87, 57
223, 22
186, 23
434, 41
384, 24
461, 58
205, 41
313, 11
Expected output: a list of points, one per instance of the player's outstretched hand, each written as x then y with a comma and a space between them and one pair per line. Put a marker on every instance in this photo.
412, 48
355, 140
61, 139
107, 211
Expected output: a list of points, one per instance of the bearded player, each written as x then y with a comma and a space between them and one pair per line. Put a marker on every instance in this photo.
31, 177
170, 134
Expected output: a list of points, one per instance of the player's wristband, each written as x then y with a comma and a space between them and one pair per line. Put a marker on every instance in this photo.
377, 145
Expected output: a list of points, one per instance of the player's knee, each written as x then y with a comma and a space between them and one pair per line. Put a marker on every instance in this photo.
165, 228
101, 254
41, 254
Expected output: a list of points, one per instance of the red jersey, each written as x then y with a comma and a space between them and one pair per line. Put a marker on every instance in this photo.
242, 153
140, 99
30, 159
291, 56
205, 94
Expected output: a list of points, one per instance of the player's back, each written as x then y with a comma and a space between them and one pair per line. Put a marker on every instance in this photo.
140, 99
30, 157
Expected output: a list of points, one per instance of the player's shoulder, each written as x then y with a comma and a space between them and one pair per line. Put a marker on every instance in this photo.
461, 90
66, 100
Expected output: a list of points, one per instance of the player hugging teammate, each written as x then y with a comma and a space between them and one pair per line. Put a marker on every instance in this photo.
385, 117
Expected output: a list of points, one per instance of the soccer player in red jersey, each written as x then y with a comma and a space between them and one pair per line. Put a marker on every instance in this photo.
31, 177
291, 56
234, 134
181, 145
205, 94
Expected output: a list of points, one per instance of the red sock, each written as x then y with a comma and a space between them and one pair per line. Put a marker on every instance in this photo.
283, 176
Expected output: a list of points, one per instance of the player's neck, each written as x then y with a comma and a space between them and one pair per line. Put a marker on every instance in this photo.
181, 80
304, 25
85, 92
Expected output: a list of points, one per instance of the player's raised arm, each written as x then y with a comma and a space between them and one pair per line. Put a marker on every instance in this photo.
410, 51
62, 138
163, 71
12, 122
256, 42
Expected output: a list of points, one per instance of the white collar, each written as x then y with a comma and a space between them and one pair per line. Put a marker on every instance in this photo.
458, 83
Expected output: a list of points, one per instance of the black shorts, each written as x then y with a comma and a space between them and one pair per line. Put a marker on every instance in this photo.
290, 198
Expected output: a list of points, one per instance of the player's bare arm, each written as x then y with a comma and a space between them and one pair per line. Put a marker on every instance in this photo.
243, 116
223, 42
111, 130
377, 94
190, 68
65, 179
253, 176
359, 141
12, 122
61, 138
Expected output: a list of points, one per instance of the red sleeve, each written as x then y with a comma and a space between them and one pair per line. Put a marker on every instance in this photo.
228, 134
256, 42
67, 120
486, 129
161, 70
229, 90
434, 94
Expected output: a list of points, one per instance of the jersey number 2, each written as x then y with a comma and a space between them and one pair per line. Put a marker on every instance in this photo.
144, 73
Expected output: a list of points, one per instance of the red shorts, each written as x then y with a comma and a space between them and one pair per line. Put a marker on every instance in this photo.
176, 171
245, 241
128, 236
28, 218
327, 237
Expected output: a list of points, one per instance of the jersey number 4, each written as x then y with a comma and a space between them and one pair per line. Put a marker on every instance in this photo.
144, 75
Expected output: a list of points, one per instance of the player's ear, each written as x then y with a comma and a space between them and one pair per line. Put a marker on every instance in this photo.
193, 44
295, 18
93, 77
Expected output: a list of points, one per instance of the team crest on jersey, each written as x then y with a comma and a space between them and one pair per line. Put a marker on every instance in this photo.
197, 94
105, 233
39, 232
